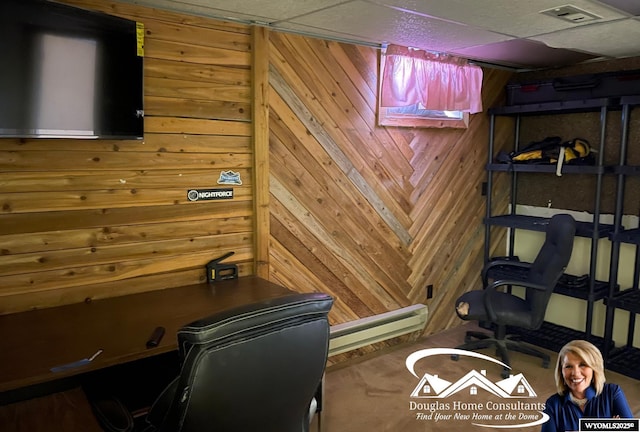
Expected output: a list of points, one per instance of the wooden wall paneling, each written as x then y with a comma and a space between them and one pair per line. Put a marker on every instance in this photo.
367, 64
339, 159
197, 91
91, 219
453, 265
369, 214
361, 114
311, 187
308, 281
464, 279
73, 200
153, 142
356, 300
34, 284
322, 127
107, 219
303, 76
45, 241
146, 13
225, 76
441, 214
69, 160
296, 139
347, 269
178, 125
60, 181
468, 260
196, 54
105, 289
437, 175
195, 35
330, 177
261, 148
65, 258
320, 244
342, 240
228, 110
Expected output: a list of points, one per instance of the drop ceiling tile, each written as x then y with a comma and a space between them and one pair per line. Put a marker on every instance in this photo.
631, 7
375, 22
518, 18
274, 10
248, 10
457, 26
617, 39
523, 53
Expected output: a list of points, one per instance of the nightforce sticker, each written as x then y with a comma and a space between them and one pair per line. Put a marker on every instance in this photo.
209, 194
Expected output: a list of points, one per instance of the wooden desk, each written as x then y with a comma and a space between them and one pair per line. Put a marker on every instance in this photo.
31, 343
67, 411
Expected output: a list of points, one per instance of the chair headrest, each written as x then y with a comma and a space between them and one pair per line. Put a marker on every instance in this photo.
272, 312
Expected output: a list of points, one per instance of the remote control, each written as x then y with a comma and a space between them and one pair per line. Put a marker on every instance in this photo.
156, 337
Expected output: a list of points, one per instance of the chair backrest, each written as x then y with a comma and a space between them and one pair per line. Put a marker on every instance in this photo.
253, 368
550, 263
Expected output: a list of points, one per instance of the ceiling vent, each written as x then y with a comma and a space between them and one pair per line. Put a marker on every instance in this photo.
571, 14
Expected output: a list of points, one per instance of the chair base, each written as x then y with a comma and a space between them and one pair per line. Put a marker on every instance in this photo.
475, 340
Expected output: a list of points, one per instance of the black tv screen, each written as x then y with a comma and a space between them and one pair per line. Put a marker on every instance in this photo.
69, 72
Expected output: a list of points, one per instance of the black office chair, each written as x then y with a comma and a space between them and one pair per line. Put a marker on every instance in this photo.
252, 368
502, 310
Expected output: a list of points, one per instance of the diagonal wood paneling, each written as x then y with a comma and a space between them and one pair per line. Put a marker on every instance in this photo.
370, 214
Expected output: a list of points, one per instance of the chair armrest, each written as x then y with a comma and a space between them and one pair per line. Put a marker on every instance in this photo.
502, 263
493, 288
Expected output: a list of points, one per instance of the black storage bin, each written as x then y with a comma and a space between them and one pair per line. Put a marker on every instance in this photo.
579, 87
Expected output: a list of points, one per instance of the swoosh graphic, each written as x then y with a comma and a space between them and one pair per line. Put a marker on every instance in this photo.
413, 358
544, 419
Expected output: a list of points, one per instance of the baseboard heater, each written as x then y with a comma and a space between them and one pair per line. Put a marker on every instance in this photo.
366, 331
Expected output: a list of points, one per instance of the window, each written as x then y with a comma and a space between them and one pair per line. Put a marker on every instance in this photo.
421, 89
417, 115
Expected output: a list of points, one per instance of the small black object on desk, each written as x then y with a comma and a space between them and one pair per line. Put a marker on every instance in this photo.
156, 337
219, 272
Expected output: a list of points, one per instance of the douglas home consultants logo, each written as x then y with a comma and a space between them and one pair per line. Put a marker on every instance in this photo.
472, 397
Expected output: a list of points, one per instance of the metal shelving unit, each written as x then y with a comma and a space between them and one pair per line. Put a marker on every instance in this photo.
623, 359
553, 336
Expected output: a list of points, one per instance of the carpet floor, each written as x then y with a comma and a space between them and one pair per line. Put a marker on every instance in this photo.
378, 393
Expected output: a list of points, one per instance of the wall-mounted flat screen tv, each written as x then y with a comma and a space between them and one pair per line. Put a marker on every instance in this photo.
66, 72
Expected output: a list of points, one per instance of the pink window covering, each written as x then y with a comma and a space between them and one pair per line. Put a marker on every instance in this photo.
439, 82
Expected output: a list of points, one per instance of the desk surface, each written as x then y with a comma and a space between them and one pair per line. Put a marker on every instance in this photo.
31, 343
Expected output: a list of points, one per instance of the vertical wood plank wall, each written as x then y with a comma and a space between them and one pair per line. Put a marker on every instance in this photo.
371, 215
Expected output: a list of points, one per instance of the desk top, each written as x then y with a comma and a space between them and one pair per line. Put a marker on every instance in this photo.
34, 342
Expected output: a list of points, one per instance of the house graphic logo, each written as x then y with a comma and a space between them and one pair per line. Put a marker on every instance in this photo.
474, 397
431, 386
